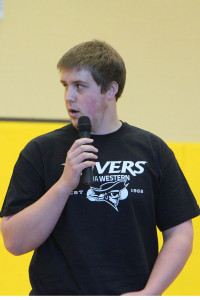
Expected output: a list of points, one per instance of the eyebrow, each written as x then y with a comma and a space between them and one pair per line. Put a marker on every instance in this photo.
75, 82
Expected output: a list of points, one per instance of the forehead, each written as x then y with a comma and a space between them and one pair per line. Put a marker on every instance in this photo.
71, 75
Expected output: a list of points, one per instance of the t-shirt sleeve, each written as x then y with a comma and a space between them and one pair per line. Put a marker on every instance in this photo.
26, 184
175, 202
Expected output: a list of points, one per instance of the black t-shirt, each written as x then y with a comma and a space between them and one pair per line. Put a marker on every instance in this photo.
105, 241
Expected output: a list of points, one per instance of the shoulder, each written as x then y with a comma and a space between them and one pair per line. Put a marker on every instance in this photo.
149, 143
144, 136
59, 136
65, 132
49, 144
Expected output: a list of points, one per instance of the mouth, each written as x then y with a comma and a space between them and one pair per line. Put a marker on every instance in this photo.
73, 113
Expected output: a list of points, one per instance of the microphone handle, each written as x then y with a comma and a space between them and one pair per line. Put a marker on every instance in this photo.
87, 174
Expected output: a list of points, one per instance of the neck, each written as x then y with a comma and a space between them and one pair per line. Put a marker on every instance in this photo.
107, 129
107, 122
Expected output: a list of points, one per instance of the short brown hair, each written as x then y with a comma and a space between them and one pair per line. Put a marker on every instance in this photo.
102, 60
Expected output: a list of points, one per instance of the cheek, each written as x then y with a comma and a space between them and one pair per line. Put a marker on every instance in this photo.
92, 106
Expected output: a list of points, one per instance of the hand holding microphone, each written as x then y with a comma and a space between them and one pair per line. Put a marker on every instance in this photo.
80, 158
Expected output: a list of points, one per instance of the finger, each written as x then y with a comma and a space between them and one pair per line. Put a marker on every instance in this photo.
77, 168
85, 156
86, 164
79, 146
82, 153
85, 148
75, 152
80, 142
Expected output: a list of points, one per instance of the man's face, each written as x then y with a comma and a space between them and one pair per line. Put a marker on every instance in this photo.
83, 98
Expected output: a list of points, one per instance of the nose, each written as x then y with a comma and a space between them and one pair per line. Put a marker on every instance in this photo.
70, 95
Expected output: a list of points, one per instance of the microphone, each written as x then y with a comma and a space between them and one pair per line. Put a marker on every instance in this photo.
84, 129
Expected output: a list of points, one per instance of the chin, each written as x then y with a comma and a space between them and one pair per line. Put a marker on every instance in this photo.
74, 122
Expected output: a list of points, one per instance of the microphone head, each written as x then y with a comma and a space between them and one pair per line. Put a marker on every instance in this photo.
84, 124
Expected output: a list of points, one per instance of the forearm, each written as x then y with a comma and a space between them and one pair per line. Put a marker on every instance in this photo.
28, 229
175, 252
171, 260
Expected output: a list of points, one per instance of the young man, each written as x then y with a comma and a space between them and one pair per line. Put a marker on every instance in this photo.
99, 239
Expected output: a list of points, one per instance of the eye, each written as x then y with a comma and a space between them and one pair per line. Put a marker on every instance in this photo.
65, 84
79, 86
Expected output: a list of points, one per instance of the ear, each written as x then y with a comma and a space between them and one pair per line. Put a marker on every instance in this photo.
113, 89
